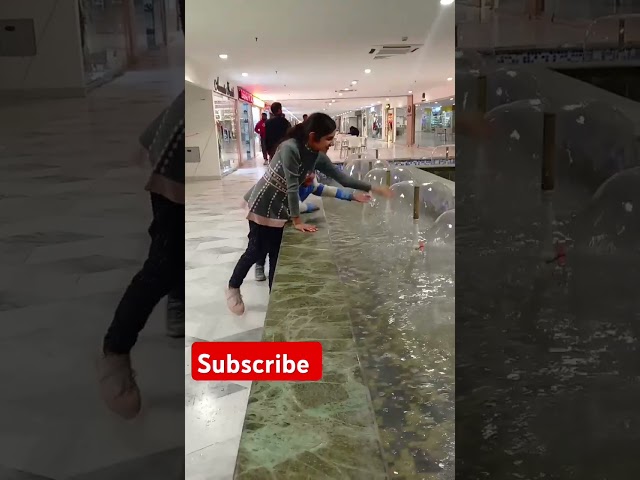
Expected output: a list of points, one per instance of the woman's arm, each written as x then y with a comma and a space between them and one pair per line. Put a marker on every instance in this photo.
322, 190
290, 164
325, 165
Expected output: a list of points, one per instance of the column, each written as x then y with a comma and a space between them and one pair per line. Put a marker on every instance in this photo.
201, 135
411, 121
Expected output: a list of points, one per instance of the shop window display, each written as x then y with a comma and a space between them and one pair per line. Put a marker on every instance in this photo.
226, 120
246, 131
113, 35
103, 38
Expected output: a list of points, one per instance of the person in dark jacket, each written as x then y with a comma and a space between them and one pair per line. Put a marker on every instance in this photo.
354, 131
275, 129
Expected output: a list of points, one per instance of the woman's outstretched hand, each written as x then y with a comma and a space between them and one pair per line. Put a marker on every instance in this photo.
386, 192
303, 227
361, 197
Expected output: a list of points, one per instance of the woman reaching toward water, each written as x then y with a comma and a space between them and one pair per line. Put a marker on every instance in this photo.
274, 200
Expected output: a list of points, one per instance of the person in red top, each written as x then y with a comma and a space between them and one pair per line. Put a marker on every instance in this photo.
261, 130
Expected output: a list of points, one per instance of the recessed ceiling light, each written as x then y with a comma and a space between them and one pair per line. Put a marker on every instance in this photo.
410, 91
223, 56
446, 2
449, 79
245, 74
340, 94
368, 70
332, 101
451, 98
354, 82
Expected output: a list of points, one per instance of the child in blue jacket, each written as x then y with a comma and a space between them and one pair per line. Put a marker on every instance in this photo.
311, 186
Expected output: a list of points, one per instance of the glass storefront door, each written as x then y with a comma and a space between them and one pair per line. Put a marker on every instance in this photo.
226, 120
374, 129
401, 125
112, 35
104, 37
246, 131
257, 116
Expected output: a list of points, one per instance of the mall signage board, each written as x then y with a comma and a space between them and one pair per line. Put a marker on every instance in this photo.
223, 89
245, 95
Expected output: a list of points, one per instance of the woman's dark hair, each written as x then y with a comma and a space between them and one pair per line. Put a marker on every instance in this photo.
318, 123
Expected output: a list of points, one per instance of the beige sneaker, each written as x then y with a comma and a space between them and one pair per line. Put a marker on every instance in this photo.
234, 301
118, 385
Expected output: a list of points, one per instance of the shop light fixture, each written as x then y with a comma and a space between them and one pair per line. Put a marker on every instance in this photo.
223, 56
451, 98
368, 70
245, 74
449, 79
354, 82
446, 2
410, 91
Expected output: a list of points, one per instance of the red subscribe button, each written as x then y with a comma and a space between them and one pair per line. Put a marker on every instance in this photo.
257, 361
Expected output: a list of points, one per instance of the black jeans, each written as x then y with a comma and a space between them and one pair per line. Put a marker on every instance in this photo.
162, 274
263, 241
263, 147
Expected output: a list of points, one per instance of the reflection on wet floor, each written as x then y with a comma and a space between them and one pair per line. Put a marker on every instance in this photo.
402, 307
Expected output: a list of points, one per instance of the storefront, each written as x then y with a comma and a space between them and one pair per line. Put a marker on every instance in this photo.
434, 124
225, 109
401, 124
114, 34
250, 112
375, 122
390, 131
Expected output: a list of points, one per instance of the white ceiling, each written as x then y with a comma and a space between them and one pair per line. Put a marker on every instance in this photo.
320, 47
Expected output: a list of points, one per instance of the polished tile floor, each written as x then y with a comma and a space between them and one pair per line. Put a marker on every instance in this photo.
215, 237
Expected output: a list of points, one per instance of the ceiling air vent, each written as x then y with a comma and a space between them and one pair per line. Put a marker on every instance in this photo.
388, 51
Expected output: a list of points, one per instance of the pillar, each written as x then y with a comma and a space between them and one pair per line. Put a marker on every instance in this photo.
411, 121
201, 133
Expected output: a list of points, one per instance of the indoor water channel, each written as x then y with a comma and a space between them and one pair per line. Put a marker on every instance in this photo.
399, 274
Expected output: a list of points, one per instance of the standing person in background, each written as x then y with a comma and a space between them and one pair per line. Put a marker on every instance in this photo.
262, 131
354, 131
304, 117
162, 274
275, 129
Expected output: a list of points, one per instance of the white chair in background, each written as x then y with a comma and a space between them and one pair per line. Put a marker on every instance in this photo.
354, 145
